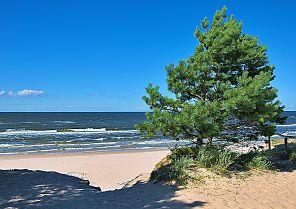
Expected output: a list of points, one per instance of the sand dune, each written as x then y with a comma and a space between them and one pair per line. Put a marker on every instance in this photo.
43, 188
106, 170
40, 189
264, 191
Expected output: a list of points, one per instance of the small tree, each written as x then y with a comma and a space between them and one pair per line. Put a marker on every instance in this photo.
223, 90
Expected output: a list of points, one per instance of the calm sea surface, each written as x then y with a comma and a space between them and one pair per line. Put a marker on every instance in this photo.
29, 133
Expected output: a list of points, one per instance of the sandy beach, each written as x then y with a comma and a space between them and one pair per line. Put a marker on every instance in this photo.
108, 171
55, 181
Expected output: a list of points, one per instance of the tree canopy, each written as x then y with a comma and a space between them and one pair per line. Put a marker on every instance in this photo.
222, 91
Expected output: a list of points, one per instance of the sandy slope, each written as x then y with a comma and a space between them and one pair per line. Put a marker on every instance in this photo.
40, 189
47, 189
270, 190
106, 170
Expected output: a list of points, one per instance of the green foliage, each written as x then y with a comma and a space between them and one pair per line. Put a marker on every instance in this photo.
176, 171
220, 91
259, 162
293, 155
216, 159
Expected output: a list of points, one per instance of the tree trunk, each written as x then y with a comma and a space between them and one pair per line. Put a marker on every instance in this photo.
210, 141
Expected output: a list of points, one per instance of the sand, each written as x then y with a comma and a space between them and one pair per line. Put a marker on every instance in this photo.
269, 190
55, 184
108, 171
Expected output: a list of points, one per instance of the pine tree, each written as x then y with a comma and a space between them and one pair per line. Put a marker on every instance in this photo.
223, 90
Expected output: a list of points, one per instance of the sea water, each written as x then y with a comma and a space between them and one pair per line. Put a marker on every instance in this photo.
29, 133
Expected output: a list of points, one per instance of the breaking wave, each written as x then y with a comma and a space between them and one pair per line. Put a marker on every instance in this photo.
66, 131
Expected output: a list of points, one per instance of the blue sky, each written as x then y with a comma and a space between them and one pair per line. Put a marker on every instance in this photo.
60, 55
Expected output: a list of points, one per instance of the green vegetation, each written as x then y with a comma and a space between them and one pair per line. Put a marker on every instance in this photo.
222, 91
292, 155
177, 166
214, 157
279, 150
259, 161
170, 170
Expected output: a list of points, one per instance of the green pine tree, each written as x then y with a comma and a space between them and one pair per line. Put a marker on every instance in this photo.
223, 90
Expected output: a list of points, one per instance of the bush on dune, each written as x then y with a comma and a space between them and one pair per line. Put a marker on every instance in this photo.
176, 166
259, 161
169, 170
214, 157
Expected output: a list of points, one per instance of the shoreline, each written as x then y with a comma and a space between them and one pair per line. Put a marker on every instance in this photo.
72, 154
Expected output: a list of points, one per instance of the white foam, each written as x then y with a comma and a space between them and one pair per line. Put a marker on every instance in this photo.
106, 147
151, 142
89, 130
122, 131
17, 132
9, 153
287, 125
8, 145
71, 131
290, 133
29, 122
99, 139
63, 121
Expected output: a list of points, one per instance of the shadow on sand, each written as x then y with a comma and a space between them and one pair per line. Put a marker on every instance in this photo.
280, 157
40, 189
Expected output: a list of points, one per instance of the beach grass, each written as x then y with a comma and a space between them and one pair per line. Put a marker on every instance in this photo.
179, 166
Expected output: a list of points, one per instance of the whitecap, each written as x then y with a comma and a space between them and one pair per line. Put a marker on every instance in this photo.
151, 142
122, 131
287, 125
63, 121
16, 132
289, 133
89, 130
29, 122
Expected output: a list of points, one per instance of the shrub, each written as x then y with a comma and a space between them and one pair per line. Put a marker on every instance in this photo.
260, 162
217, 159
172, 170
214, 157
293, 156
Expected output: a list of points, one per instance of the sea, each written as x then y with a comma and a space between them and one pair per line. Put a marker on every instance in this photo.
35, 133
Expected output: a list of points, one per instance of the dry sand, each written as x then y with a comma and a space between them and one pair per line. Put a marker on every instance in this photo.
48, 189
269, 190
106, 170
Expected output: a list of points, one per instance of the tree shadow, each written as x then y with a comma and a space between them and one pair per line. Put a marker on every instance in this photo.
280, 157
41, 189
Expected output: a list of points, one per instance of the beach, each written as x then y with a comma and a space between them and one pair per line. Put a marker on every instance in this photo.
58, 181
99, 160
51, 182
108, 171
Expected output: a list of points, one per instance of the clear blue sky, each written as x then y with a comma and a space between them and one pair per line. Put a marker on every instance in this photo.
60, 55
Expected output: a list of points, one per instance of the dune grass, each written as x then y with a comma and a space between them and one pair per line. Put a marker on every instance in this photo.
176, 167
